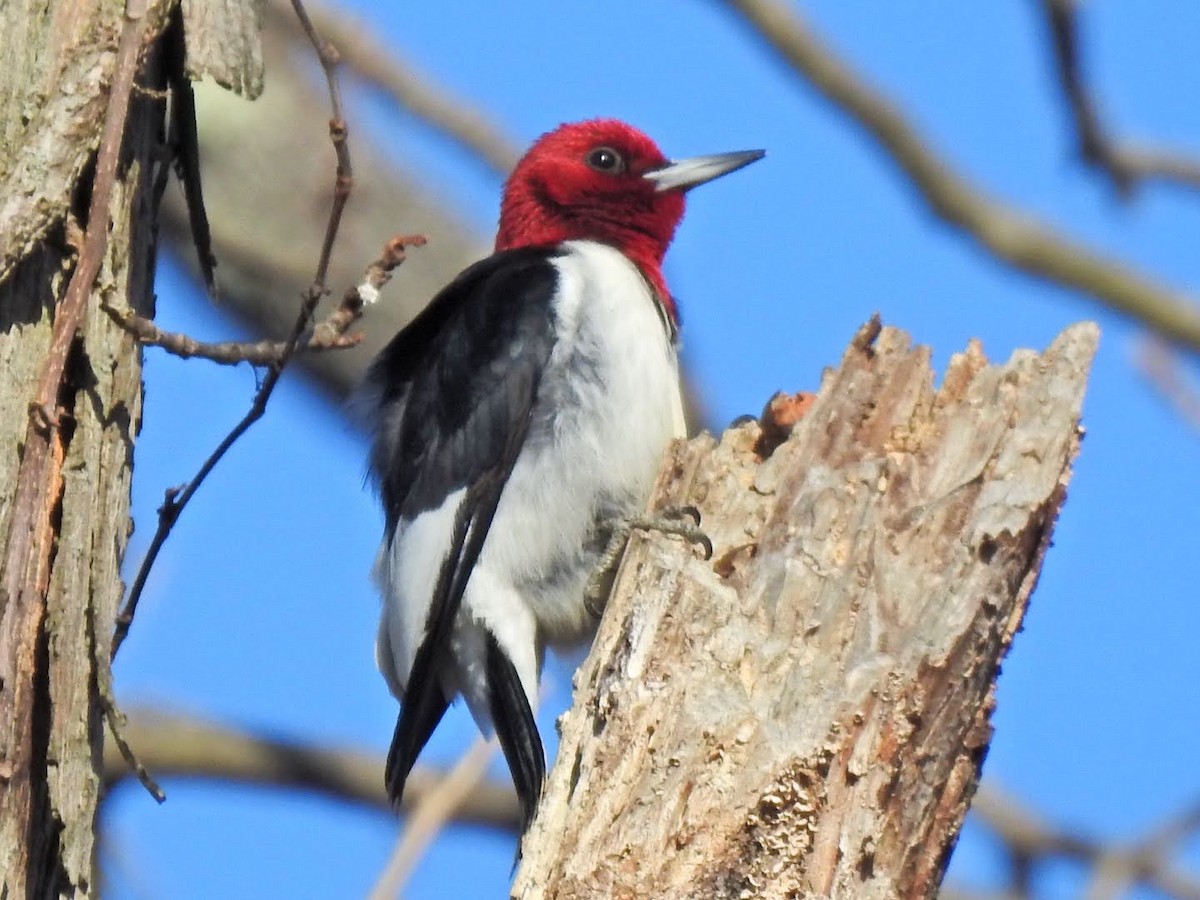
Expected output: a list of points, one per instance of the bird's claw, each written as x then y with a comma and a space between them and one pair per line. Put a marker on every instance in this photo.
668, 521
679, 512
594, 594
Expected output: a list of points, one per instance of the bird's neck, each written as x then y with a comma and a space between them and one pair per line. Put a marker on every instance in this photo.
527, 225
651, 269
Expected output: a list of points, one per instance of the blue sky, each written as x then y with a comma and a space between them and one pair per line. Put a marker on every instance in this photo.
261, 613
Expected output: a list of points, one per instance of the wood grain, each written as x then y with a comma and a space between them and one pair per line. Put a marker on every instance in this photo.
806, 714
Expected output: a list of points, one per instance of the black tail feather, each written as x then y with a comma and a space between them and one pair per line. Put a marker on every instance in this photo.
517, 730
420, 713
424, 701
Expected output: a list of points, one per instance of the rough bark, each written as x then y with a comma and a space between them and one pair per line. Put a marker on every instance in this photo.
806, 714
61, 585
224, 42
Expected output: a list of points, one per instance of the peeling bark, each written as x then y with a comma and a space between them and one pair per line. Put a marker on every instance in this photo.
807, 714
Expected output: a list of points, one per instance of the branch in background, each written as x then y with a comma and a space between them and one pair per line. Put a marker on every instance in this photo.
176, 499
328, 334
1163, 368
1005, 233
1147, 861
429, 816
1115, 867
343, 180
176, 747
375, 64
1124, 163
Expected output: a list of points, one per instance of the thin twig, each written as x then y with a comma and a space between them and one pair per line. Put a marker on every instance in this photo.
328, 334
1005, 233
451, 116
1123, 163
430, 815
116, 727
116, 720
338, 134
175, 499
257, 353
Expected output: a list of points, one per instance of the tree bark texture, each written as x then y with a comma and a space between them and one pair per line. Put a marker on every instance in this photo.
68, 516
806, 714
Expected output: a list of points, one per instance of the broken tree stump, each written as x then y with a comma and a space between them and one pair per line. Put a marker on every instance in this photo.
806, 714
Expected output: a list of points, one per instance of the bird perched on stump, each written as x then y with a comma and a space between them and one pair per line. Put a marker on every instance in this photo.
519, 421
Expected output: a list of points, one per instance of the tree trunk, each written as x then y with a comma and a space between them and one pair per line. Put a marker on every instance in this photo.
64, 522
806, 714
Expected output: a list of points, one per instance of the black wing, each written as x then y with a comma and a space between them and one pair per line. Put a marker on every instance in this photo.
456, 389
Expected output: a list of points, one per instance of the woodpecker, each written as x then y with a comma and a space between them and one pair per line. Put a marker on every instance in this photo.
518, 421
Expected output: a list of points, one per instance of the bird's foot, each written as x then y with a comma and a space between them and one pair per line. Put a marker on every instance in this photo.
681, 521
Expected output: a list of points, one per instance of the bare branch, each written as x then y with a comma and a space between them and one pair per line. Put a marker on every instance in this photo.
430, 815
338, 133
1161, 366
231, 353
463, 124
1115, 866
1123, 163
175, 499
176, 747
328, 334
267, 259
1005, 233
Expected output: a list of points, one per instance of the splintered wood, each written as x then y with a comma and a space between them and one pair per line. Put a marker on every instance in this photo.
806, 714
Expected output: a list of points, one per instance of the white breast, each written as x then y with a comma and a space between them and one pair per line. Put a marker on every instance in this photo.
608, 405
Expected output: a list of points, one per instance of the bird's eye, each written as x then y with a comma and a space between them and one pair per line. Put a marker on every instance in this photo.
607, 160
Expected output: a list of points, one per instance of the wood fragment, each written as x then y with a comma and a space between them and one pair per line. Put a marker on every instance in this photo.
224, 41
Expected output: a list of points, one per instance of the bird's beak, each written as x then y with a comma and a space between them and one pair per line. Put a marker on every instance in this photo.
684, 174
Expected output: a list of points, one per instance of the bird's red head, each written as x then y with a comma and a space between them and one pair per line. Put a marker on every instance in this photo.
603, 180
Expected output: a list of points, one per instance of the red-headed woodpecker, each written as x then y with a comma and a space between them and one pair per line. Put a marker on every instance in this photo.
518, 420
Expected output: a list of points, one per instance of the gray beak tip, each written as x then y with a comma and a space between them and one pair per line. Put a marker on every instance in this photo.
685, 174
